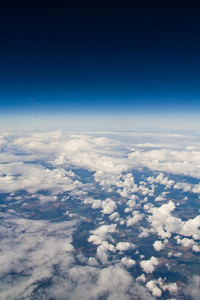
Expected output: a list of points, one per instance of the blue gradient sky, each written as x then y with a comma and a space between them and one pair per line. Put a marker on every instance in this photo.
100, 58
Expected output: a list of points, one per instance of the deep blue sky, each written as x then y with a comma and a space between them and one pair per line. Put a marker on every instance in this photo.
93, 57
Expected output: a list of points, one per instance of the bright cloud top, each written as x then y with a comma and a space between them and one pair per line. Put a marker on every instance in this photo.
110, 191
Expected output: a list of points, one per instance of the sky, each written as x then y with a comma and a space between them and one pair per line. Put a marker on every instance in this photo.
99, 58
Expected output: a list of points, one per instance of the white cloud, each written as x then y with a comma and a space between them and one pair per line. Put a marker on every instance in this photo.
128, 262
159, 285
165, 224
114, 216
161, 197
33, 178
196, 248
185, 242
193, 288
191, 228
44, 199
92, 261
162, 180
41, 161
124, 246
141, 278
108, 206
171, 161
37, 261
153, 288
144, 232
170, 254
149, 265
102, 234
102, 251
162, 220
158, 245
135, 219
32, 248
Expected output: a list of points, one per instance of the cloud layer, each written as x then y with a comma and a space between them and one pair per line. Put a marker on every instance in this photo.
113, 199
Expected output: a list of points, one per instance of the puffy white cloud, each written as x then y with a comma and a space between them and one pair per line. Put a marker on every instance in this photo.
151, 285
149, 265
39, 161
114, 216
162, 180
141, 278
193, 288
133, 201
102, 251
188, 243
196, 248
161, 197
108, 206
185, 242
158, 245
33, 178
171, 161
116, 283
37, 261
124, 246
191, 228
170, 254
128, 262
186, 187
156, 287
31, 249
135, 219
171, 287
102, 234
144, 233
92, 261
44, 199
165, 224
162, 220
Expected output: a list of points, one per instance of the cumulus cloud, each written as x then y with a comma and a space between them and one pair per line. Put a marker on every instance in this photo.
102, 251
165, 223
135, 219
92, 261
149, 265
191, 228
128, 262
133, 201
29, 251
44, 199
38, 162
158, 245
141, 278
145, 232
193, 288
157, 292
102, 234
162, 180
114, 216
37, 261
185, 242
33, 178
108, 206
125, 246
167, 160
159, 285
162, 220
196, 248
161, 197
